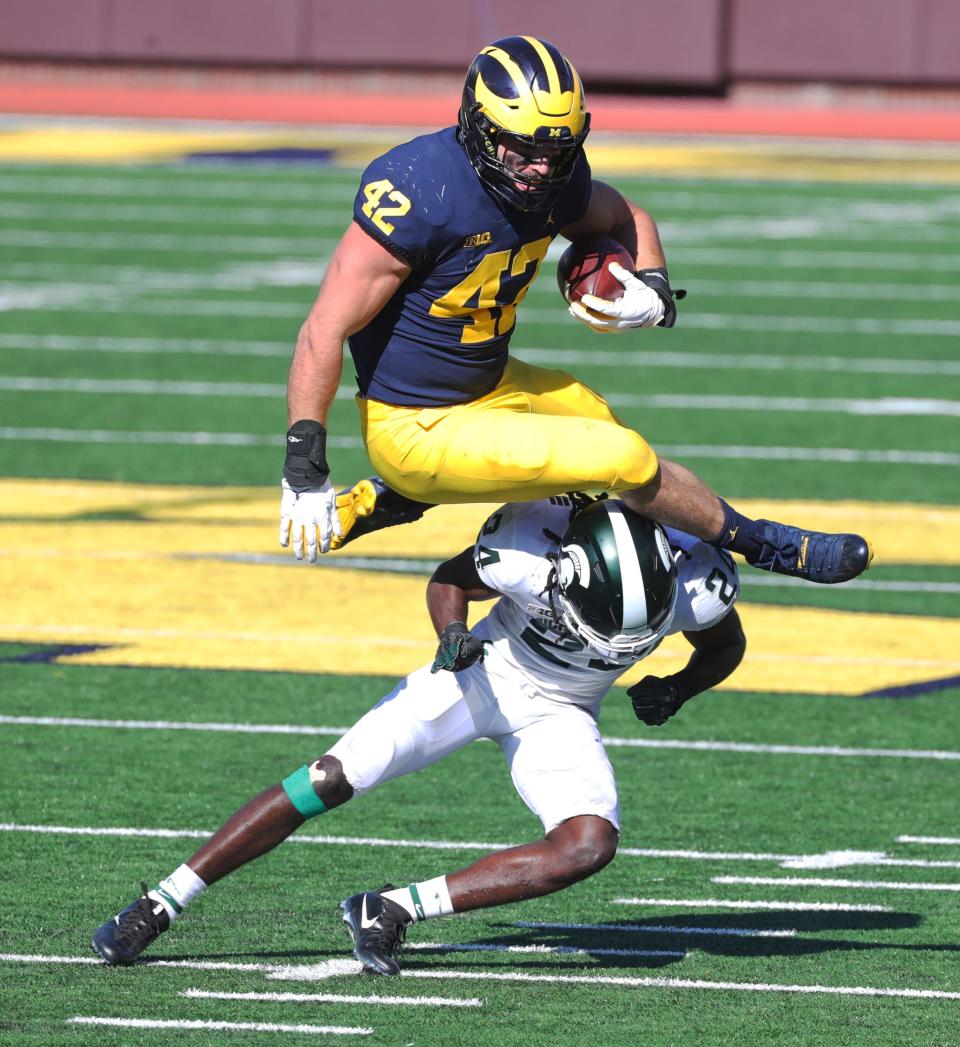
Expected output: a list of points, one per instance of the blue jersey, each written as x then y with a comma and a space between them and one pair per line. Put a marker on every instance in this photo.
443, 337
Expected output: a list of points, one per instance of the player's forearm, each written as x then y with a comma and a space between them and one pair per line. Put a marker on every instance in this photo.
454, 584
709, 666
446, 603
640, 229
315, 372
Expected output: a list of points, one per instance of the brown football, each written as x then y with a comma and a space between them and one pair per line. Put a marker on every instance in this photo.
582, 268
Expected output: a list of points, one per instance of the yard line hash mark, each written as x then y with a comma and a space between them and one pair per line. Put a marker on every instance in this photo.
330, 997
217, 1026
728, 903
684, 983
653, 928
800, 881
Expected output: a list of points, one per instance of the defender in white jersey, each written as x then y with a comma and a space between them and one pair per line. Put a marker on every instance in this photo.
586, 588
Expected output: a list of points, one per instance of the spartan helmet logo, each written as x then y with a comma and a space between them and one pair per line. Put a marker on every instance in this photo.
616, 587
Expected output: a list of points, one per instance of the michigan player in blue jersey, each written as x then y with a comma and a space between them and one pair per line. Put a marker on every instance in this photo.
449, 230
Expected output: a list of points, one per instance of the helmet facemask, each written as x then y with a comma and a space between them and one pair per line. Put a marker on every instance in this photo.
524, 90
615, 584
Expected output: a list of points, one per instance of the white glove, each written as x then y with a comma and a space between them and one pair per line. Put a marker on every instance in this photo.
305, 513
640, 305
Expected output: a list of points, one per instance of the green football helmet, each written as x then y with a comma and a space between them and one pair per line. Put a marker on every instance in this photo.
616, 580
524, 88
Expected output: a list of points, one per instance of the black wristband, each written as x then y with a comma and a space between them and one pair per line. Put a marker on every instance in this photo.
657, 280
306, 461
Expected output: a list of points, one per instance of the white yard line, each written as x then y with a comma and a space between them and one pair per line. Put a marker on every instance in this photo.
219, 244
331, 997
210, 1025
784, 750
173, 725
346, 841
180, 188
172, 438
728, 903
889, 406
803, 258
735, 361
828, 860
720, 256
702, 194
306, 273
812, 229
191, 965
938, 840
163, 346
640, 743
653, 928
315, 972
736, 287
845, 455
867, 885
122, 301
144, 387
204, 438
52, 300
546, 356
882, 406
175, 214
681, 983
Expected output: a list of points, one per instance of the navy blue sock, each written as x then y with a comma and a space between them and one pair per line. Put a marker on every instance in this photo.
739, 533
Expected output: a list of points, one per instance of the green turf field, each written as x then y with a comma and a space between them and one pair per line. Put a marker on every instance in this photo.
790, 860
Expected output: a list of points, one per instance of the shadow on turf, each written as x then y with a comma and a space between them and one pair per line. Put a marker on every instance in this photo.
617, 934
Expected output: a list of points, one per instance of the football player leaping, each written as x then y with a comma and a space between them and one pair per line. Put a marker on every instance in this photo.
449, 232
585, 591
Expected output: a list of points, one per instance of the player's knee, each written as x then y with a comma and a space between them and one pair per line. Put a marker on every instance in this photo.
589, 843
329, 782
317, 787
524, 460
642, 467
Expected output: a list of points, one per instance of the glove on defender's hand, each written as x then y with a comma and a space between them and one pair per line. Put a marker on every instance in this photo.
458, 649
655, 699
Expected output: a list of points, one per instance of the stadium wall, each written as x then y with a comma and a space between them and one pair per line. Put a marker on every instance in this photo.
694, 44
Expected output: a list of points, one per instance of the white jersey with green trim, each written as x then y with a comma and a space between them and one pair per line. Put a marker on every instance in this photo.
515, 555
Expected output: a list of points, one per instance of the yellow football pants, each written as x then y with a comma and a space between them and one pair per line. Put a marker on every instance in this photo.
538, 433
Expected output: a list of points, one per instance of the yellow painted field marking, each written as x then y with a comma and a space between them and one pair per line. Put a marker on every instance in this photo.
103, 143
133, 567
768, 160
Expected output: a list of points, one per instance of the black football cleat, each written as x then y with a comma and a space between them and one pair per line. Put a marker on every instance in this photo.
121, 940
818, 557
371, 505
377, 926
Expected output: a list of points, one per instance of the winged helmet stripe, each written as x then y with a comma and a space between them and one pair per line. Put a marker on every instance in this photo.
513, 70
549, 63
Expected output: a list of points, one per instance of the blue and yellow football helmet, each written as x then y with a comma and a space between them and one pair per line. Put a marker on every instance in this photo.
523, 87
